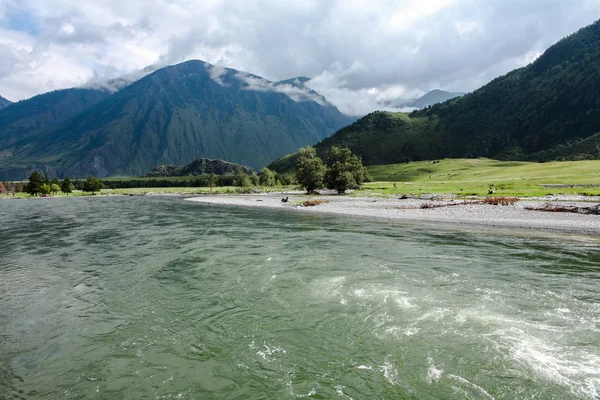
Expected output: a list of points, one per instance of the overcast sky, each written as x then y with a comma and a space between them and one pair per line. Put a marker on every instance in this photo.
359, 53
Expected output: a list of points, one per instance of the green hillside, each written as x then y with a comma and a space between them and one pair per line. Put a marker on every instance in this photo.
549, 110
179, 114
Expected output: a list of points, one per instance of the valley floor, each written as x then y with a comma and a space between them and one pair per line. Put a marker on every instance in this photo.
513, 216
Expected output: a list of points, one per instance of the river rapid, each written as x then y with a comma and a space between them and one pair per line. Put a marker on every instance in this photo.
159, 298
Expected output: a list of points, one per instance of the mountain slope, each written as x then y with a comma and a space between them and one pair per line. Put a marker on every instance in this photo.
181, 113
4, 103
545, 111
27, 119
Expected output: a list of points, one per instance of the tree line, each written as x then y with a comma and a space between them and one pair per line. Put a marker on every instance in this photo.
342, 170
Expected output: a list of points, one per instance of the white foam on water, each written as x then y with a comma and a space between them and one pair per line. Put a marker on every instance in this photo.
579, 372
267, 351
404, 302
389, 372
433, 373
290, 388
537, 346
472, 385
339, 389
365, 367
329, 287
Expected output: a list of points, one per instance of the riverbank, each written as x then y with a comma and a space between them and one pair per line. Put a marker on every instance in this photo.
446, 211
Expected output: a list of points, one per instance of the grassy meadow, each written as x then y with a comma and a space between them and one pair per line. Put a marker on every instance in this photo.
474, 177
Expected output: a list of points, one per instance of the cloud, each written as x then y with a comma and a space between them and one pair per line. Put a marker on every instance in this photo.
359, 53
295, 90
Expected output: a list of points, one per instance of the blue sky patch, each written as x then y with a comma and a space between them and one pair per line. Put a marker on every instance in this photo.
22, 22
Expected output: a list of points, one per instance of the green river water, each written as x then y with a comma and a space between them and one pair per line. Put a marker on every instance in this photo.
160, 298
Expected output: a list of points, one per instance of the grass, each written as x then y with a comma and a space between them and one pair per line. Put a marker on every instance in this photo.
474, 177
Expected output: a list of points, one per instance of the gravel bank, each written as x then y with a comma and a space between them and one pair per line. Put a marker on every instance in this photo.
515, 216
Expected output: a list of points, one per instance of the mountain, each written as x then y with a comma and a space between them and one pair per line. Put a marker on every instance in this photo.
548, 110
179, 114
428, 99
28, 119
433, 97
198, 167
4, 103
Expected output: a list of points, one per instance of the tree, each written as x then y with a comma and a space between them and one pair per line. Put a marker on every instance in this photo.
310, 169
54, 188
2, 189
92, 184
286, 179
34, 184
46, 178
266, 177
45, 188
240, 179
344, 170
66, 186
212, 180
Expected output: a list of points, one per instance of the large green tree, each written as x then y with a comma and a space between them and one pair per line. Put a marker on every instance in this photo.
310, 169
66, 186
344, 170
92, 184
34, 184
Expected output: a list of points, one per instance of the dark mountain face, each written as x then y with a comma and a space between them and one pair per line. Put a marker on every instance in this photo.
545, 111
4, 103
179, 114
27, 119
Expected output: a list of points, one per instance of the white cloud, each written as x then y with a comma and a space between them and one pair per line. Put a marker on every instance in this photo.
360, 53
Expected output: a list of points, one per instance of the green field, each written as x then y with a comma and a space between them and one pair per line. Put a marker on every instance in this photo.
474, 177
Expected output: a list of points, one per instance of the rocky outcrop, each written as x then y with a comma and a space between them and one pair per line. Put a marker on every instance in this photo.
198, 167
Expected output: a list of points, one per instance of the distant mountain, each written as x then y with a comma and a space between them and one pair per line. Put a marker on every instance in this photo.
433, 97
548, 110
198, 167
428, 99
179, 114
4, 103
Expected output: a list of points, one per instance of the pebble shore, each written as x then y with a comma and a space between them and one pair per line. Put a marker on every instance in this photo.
514, 216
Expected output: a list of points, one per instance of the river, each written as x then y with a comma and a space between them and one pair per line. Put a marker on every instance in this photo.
159, 298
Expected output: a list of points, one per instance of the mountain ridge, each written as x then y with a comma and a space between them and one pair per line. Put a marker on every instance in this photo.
178, 114
4, 102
